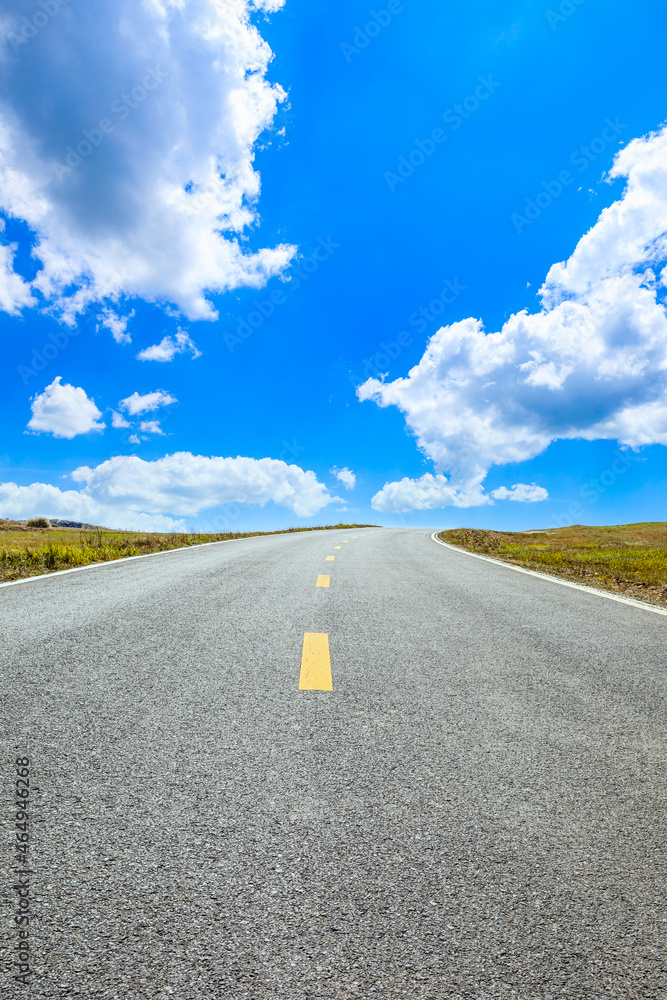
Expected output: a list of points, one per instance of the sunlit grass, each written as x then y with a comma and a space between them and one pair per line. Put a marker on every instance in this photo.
28, 552
630, 558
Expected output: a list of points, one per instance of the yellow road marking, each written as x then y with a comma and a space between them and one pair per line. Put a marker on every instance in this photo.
338, 546
346, 541
323, 581
315, 663
330, 558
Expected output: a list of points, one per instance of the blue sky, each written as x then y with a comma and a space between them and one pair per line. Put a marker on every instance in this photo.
318, 236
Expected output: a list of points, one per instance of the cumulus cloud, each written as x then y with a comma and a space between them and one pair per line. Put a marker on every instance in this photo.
15, 293
168, 348
591, 364
137, 403
117, 324
150, 427
185, 484
41, 499
64, 411
521, 493
345, 476
137, 174
427, 493
118, 420
128, 492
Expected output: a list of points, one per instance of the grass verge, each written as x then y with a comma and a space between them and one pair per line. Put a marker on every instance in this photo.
26, 552
629, 559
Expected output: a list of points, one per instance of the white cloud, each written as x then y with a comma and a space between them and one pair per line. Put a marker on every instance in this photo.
136, 403
427, 493
522, 493
15, 293
345, 476
434, 491
184, 484
117, 324
631, 233
64, 411
118, 420
592, 364
41, 499
150, 427
137, 176
168, 348
128, 492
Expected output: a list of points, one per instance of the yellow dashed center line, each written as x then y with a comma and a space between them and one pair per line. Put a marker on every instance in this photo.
346, 541
323, 581
315, 663
330, 558
338, 546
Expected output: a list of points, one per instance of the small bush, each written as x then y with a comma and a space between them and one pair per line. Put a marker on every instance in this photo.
39, 522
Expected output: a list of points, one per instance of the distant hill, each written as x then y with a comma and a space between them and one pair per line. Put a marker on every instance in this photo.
7, 524
57, 522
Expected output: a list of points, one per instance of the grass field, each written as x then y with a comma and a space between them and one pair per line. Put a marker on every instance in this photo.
629, 559
32, 551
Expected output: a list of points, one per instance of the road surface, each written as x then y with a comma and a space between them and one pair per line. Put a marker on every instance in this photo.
476, 808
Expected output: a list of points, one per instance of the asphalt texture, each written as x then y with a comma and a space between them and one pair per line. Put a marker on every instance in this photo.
476, 810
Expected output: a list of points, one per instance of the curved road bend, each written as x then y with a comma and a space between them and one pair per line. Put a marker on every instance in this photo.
475, 810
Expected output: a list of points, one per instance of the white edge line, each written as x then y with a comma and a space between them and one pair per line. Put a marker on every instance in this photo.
149, 555
553, 579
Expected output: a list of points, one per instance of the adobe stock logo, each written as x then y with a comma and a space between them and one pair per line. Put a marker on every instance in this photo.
31, 26
592, 490
49, 351
122, 107
454, 117
565, 10
581, 158
377, 22
378, 364
265, 308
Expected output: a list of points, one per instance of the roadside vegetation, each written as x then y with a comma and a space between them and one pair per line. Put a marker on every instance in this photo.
35, 548
629, 559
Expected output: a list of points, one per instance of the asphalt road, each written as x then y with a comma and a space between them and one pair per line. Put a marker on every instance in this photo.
475, 810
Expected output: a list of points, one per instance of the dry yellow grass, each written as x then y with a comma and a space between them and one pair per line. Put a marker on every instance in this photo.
628, 558
28, 552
